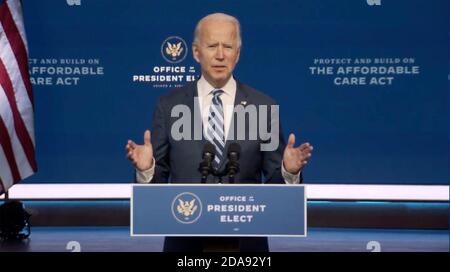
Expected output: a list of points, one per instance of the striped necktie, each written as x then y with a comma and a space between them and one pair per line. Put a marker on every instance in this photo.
215, 132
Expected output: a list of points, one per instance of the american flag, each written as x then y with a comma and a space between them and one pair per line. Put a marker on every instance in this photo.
17, 144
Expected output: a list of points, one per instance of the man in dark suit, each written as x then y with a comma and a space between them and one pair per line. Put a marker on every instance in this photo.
173, 153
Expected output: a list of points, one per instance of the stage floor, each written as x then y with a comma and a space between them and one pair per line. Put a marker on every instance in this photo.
318, 239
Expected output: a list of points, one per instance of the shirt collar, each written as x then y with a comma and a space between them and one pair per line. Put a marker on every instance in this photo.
204, 88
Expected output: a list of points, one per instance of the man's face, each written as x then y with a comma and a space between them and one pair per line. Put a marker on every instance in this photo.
217, 51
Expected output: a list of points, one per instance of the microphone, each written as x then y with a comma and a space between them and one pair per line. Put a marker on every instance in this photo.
234, 151
205, 167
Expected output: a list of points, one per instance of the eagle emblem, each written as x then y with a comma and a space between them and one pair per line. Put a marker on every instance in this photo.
174, 50
187, 208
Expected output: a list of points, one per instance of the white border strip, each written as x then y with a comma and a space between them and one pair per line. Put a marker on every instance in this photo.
314, 191
379, 192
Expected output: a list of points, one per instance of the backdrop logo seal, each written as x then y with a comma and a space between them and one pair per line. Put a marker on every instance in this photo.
174, 49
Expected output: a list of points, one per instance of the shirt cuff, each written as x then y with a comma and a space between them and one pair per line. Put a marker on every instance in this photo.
288, 177
147, 175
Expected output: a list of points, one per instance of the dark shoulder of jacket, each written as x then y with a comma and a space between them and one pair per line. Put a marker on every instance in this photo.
177, 94
257, 95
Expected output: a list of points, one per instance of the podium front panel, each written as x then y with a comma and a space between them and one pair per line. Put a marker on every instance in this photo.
218, 210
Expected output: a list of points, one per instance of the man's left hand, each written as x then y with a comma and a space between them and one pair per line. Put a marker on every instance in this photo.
295, 158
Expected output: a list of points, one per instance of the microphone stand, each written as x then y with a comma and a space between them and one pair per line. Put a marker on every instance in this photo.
205, 169
219, 175
233, 169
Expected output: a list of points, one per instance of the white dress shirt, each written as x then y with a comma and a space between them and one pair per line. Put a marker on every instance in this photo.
205, 99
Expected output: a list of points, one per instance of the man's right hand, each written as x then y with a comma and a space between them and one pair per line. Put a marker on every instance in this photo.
140, 155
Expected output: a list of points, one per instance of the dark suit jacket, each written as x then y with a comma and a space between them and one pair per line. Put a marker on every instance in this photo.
177, 161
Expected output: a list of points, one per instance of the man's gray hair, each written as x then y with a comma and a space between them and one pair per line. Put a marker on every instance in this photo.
218, 16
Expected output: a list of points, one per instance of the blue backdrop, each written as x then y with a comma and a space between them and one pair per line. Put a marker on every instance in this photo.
391, 128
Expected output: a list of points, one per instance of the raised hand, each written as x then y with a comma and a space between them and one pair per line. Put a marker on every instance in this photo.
140, 155
295, 158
